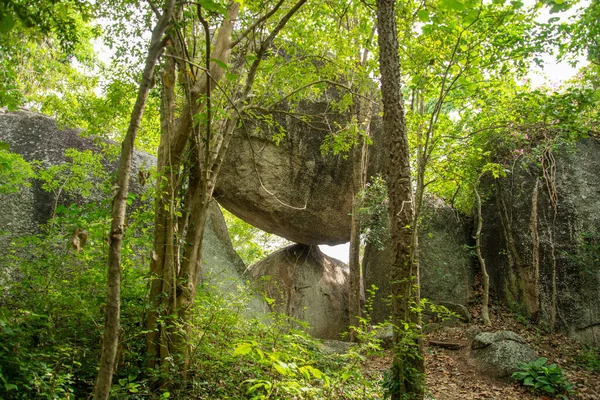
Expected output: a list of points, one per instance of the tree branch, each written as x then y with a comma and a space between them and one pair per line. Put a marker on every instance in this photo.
256, 23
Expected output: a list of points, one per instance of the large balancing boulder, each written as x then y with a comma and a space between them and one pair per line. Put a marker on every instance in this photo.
541, 240
307, 285
287, 185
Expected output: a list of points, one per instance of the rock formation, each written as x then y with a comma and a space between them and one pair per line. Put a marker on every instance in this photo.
499, 354
290, 188
541, 240
36, 137
307, 285
445, 265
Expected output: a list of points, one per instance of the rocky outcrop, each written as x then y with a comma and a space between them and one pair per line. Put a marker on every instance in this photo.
36, 137
499, 354
445, 265
307, 285
287, 185
541, 240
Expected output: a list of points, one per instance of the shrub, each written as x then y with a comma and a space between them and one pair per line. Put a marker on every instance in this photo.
589, 359
542, 378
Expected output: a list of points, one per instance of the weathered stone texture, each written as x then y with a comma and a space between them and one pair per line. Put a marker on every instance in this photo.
544, 256
36, 137
499, 354
445, 265
292, 189
309, 286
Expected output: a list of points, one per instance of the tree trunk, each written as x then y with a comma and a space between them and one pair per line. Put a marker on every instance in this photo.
407, 380
486, 278
356, 295
176, 267
119, 206
175, 270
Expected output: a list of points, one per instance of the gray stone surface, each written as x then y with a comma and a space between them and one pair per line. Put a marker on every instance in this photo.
557, 247
500, 353
386, 335
307, 285
336, 346
472, 332
459, 309
291, 188
36, 137
433, 321
445, 265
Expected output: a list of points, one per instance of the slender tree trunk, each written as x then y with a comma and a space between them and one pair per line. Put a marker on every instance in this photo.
174, 287
175, 280
486, 278
359, 177
408, 369
119, 206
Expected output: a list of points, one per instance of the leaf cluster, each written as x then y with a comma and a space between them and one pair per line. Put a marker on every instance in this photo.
542, 378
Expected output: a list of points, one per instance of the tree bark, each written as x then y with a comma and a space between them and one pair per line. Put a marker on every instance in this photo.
174, 277
486, 278
407, 379
356, 289
174, 283
119, 207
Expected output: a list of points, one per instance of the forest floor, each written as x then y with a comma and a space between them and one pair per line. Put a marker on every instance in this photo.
451, 377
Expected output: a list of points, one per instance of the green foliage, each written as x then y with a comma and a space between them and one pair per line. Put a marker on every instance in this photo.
44, 54
589, 359
292, 374
234, 356
48, 17
52, 296
403, 378
587, 254
25, 371
403, 371
579, 34
251, 243
15, 172
373, 212
79, 176
542, 378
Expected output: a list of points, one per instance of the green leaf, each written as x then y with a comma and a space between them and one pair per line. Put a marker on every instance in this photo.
423, 15
212, 6
520, 375
230, 76
471, 17
453, 5
549, 389
220, 63
540, 361
7, 23
243, 349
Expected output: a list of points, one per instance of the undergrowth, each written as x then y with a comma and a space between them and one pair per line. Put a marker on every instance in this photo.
52, 299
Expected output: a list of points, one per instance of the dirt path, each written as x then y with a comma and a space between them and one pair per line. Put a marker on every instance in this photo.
451, 377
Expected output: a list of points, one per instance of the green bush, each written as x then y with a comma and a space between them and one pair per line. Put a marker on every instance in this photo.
542, 378
589, 359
